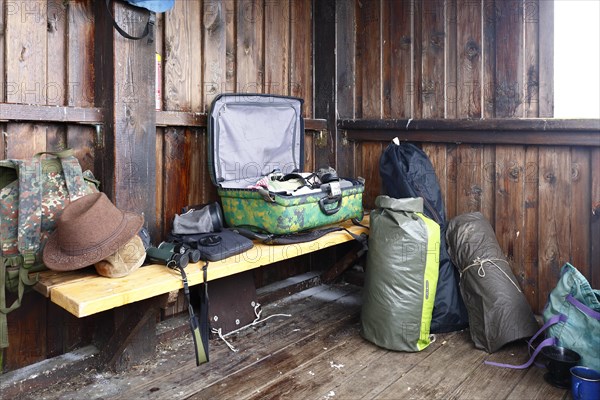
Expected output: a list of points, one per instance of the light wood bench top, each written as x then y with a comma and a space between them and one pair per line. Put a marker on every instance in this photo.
85, 293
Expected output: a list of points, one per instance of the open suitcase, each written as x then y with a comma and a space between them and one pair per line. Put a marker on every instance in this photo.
256, 137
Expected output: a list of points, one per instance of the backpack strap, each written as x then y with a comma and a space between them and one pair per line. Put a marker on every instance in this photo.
6, 262
148, 29
30, 209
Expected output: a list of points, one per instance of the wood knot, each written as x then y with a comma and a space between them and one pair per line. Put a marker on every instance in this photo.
24, 54
575, 172
212, 17
476, 190
530, 203
405, 42
513, 173
437, 40
52, 25
550, 177
428, 89
472, 50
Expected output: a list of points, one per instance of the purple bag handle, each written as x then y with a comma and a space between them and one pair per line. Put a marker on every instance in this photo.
550, 341
583, 308
545, 343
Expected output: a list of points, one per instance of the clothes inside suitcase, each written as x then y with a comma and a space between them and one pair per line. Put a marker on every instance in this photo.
256, 137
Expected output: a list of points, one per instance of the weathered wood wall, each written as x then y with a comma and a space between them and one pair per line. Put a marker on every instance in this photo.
48, 49
58, 53
487, 59
451, 59
214, 47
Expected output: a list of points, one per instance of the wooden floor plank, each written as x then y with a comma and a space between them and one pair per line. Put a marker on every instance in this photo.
532, 386
336, 360
488, 381
436, 377
377, 374
269, 371
253, 345
318, 353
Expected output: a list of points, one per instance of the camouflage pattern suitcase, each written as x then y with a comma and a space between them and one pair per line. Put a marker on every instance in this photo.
250, 136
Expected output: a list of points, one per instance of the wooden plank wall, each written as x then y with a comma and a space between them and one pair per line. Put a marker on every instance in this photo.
478, 59
207, 47
210, 47
47, 49
395, 59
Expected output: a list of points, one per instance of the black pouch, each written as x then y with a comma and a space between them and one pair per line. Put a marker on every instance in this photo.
215, 246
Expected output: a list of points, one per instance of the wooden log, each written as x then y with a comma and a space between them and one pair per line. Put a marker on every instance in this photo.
345, 61
554, 228
579, 208
249, 47
510, 177
80, 80
215, 50
531, 59
469, 59
276, 16
325, 89
124, 76
531, 232
546, 58
595, 219
508, 90
183, 60
432, 56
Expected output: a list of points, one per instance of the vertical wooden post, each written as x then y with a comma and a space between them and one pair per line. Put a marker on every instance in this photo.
125, 89
325, 81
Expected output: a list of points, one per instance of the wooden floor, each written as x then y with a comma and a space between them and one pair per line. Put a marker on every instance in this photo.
317, 353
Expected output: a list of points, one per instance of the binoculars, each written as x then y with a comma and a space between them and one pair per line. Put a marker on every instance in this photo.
173, 255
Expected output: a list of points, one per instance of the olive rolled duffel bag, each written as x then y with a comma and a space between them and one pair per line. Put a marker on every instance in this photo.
401, 275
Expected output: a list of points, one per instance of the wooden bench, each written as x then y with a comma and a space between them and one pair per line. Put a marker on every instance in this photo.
137, 296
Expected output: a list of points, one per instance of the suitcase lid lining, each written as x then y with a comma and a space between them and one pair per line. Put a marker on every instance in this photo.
247, 140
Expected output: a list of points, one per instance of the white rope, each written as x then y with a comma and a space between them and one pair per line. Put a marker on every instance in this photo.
481, 271
257, 320
432, 338
220, 333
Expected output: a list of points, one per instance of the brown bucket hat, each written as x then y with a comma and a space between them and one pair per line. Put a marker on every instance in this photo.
89, 229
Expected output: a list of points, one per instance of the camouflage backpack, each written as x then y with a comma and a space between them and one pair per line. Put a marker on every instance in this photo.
33, 193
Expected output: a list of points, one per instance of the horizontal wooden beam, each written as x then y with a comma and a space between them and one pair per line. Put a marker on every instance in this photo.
94, 116
499, 124
39, 113
575, 132
178, 118
199, 120
315, 124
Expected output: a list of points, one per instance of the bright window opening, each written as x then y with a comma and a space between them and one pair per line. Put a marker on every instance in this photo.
577, 59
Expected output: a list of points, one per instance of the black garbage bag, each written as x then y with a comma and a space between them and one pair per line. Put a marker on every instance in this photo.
406, 171
498, 310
